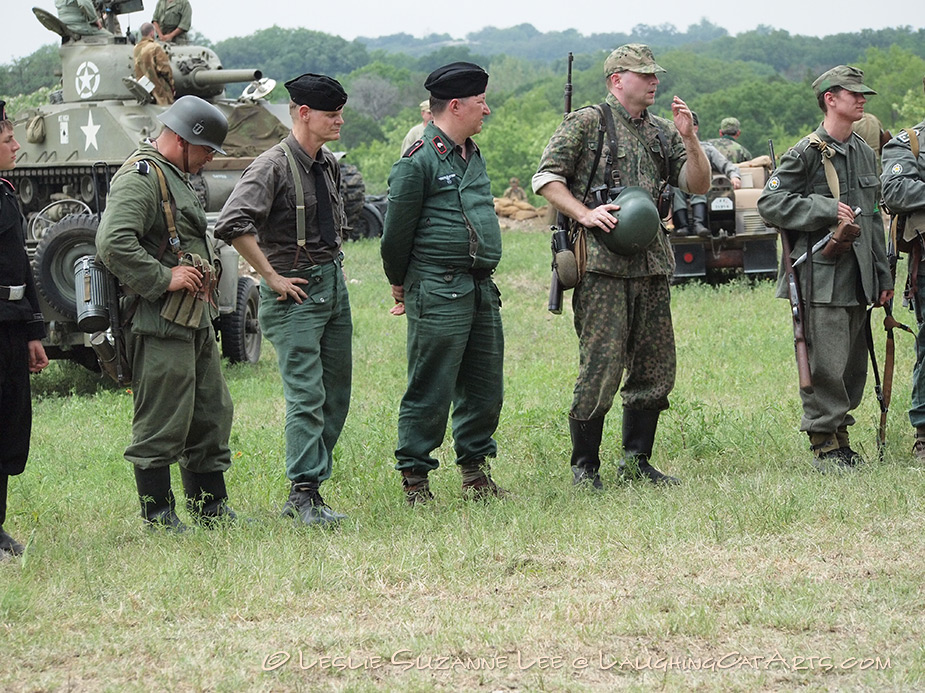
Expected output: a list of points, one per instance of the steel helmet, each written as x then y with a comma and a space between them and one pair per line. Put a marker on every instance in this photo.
196, 121
637, 222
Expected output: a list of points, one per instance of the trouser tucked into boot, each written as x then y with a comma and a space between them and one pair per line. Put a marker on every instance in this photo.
639, 427
206, 496
699, 215
158, 505
586, 445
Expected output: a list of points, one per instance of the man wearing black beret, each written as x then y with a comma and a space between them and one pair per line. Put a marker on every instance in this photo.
440, 246
304, 307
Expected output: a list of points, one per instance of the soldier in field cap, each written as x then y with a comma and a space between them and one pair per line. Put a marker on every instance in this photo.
622, 303
440, 246
304, 307
827, 181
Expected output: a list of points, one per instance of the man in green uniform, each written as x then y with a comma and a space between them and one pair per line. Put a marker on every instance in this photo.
304, 306
829, 179
440, 246
80, 17
183, 409
622, 304
172, 20
903, 181
727, 144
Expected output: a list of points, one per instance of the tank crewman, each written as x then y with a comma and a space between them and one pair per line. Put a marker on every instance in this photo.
182, 407
304, 305
172, 20
21, 331
622, 303
414, 134
903, 181
151, 61
440, 246
698, 203
837, 283
80, 17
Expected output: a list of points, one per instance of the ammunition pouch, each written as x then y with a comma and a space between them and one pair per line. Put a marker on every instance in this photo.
665, 201
843, 236
185, 307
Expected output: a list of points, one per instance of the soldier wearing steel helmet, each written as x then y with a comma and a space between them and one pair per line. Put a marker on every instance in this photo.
622, 304
182, 407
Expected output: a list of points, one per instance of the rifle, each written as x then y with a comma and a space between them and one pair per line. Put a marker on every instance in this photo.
561, 243
796, 304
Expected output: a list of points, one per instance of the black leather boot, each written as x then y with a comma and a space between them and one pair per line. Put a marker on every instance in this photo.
206, 497
638, 438
8, 545
586, 446
158, 505
679, 219
699, 214
306, 504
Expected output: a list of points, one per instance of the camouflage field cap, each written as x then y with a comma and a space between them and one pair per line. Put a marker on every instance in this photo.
730, 126
843, 76
635, 57
424, 105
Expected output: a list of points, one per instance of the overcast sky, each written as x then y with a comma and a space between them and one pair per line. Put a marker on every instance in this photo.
220, 19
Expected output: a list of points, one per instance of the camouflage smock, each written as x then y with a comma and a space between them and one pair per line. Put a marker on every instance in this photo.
731, 149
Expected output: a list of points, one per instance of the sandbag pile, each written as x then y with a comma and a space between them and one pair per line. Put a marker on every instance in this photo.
517, 209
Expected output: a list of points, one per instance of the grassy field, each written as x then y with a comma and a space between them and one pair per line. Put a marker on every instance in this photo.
756, 574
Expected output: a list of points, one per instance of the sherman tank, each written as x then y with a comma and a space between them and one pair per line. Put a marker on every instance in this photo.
73, 145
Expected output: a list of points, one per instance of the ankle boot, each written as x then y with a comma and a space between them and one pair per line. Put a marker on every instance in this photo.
158, 505
586, 445
699, 214
477, 483
206, 496
416, 486
638, 438
679, 219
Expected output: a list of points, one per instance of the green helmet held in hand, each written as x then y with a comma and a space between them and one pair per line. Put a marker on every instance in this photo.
637, 223
197, 121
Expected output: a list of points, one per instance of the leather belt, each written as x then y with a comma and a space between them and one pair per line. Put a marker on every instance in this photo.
12, 293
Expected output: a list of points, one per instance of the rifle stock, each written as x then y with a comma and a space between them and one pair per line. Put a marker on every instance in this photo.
560, 230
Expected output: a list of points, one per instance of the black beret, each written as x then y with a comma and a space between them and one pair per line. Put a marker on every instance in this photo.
317, 91
456, 81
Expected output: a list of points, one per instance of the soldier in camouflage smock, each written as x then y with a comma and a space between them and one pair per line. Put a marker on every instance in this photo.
622, 304
729, 131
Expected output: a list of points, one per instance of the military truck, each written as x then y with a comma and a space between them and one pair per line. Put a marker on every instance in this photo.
72, 146
739, 239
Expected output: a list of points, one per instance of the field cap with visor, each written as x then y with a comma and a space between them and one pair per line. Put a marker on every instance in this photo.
632, 57
844, 76
730, 126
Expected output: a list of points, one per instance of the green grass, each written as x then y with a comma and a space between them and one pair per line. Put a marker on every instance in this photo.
741, 579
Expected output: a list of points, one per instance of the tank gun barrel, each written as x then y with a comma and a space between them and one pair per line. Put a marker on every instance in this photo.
205, 77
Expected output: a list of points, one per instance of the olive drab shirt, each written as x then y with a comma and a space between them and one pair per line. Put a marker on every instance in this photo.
170, 14
132, 235
570, 155
797, 198
903, 176
441, 213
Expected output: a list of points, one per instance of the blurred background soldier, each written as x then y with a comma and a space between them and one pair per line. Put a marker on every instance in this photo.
514, 191
80, 17
871, 131
304, 305
622, 303
417, 131
183, 409
903, 180
151, 61
729, 131
172, 20
21, 331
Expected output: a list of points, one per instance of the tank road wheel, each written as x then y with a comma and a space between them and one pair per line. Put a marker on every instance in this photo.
62, 244
241, 335
353, 191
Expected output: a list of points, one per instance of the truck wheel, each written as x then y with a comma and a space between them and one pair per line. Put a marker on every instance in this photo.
53, 265
353, 191
371, 223
241, 335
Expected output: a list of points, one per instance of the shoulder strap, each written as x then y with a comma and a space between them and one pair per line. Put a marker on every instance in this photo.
612, 175
913, 141
827, 152
166, 204
299, 194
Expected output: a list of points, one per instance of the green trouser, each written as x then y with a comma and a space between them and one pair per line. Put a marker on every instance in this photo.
838, 362
183, 409
623, 324
313, 346
455, 356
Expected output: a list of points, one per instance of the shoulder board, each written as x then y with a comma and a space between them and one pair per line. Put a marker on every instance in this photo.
7, 184
439, 145
414, 147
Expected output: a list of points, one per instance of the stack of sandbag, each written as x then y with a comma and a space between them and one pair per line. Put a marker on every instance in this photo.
517, 209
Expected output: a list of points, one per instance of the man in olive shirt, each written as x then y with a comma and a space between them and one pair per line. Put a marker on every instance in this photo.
440, 246
839, 282
304, 306
172, 19
183, 409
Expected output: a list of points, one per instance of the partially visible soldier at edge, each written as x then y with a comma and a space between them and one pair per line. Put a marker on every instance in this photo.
172, 19
304, 305
839, 282
440, 246
622, 304
903, 181
21, 331
182, 408
417, 131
